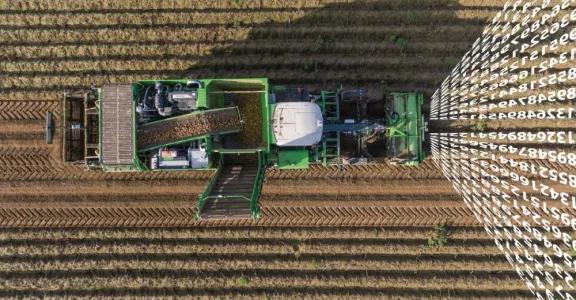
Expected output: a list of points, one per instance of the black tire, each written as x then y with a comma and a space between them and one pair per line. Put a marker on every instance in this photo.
50, 127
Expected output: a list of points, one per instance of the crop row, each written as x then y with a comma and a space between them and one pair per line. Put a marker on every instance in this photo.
356, 74
238, 262
221, 247
85, 5
242, 61
223, 33
337, 16
220, 278
264, 232
176, 49
264, 283
270, 63
186, 50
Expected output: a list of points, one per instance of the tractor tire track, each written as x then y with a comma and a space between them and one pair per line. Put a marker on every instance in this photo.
28, 110
382, 170
25, 156
272, 216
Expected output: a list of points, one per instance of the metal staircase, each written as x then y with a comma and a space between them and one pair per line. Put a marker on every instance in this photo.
331, 148
234, 191
330, 105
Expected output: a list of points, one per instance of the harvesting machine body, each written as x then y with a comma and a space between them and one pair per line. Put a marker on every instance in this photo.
235, 128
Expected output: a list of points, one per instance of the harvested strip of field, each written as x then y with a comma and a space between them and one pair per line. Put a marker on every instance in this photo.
383, 170
28, 110
156, 216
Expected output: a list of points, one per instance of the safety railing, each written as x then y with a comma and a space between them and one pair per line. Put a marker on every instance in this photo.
258, 181
205, 194
256, 188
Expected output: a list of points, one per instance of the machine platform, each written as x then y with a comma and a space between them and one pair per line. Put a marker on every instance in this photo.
117, 125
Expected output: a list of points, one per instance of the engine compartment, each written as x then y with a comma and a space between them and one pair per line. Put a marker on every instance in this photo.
162, 100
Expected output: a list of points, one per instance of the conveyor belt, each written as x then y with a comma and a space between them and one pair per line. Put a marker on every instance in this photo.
186, 127
117, 125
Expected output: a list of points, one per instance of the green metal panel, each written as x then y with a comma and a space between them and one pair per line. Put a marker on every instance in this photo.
291, 159
258, 182
100, 123
257, 85
266, 130
208, 188
137, 163
202, 100
405, 132
271, 137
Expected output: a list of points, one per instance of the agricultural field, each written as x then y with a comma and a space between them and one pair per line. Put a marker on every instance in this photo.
374, 231
261, 263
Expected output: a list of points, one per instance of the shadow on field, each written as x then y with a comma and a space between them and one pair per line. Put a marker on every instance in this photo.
385, 45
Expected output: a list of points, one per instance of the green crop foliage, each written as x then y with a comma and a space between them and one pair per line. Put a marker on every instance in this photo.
481, 126
236, 2
314, 264
399, 41
412, 17
243, 280
440, 237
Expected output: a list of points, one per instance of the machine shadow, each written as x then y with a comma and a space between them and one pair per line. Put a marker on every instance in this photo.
384, 45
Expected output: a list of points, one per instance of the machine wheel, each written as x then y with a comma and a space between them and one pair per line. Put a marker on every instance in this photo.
50, 127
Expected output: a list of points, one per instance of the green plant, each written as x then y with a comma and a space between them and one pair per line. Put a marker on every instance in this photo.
440, 237
481, 126
314, 264
412, 17
452, 62
399, 41
236, 2
243, 280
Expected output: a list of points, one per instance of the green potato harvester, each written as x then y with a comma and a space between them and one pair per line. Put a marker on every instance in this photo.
236, 128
